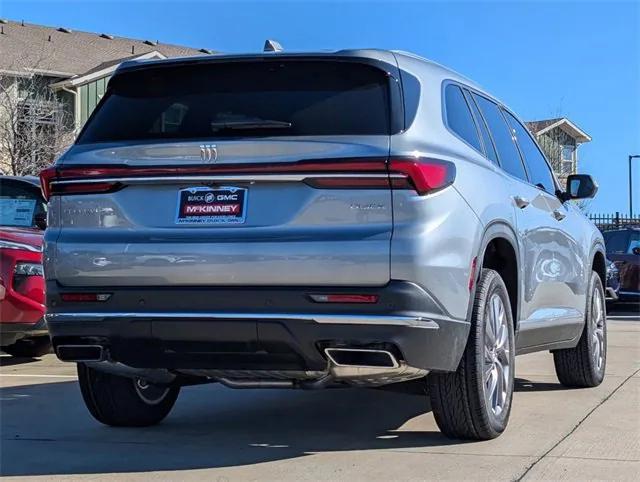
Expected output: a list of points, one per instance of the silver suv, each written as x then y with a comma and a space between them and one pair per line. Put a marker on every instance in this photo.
357, 218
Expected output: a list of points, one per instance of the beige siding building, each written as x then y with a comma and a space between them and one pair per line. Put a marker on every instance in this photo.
559, 138
74, 66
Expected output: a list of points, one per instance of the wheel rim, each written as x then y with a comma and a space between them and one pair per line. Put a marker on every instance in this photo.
149, 393
497, 356
598, 327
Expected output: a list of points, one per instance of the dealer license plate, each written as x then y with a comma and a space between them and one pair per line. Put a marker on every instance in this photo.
206, 205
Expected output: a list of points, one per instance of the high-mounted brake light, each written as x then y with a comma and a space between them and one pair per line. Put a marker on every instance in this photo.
423, 175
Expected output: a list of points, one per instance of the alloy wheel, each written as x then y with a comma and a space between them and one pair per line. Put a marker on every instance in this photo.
149, 393
597, 335
496, 371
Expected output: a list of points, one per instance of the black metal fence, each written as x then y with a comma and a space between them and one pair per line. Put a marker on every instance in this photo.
613, 221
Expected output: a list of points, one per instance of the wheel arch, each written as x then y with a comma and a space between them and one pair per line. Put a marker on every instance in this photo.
499, 251
599, 263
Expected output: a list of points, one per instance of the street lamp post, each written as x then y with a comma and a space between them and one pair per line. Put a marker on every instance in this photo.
631, 186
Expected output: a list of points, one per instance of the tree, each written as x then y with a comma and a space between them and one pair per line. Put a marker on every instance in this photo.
35, 125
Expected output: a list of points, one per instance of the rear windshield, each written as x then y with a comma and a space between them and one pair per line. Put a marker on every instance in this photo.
20, 203
241, 99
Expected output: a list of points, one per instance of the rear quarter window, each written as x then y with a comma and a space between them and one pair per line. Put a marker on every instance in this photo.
459, 118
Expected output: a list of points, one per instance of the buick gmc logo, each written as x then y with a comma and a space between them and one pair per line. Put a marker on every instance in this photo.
208, 152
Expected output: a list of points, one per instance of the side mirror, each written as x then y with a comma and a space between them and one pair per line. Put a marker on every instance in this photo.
41, 221
636, 250
580, 186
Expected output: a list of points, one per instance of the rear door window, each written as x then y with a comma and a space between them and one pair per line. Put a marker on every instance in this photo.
242, 99
459, 116
503, 137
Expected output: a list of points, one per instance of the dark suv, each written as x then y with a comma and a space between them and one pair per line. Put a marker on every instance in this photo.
623, 248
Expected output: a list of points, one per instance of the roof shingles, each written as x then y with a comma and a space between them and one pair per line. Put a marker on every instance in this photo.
47, 49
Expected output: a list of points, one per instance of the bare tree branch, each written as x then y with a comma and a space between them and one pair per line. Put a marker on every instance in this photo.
35, 125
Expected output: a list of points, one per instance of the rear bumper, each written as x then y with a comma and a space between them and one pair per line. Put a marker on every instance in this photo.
289, 333
12, 332
625, 295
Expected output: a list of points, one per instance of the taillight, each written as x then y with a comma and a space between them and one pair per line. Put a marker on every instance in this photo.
348, 182
46, 176
423, 175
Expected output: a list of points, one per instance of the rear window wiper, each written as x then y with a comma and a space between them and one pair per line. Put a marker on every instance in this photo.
250, 124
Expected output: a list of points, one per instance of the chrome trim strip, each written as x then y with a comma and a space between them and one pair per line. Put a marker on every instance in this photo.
4, 244
627, 293
231, 177
410, 321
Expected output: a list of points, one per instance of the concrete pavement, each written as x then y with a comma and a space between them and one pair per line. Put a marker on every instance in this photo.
219, 434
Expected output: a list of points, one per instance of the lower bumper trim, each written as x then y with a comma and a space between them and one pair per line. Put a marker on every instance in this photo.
409, 321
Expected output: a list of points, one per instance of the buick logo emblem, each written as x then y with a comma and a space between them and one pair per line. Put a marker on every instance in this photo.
208, 152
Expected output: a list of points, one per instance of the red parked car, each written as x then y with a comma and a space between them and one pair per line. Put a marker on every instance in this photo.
23, 331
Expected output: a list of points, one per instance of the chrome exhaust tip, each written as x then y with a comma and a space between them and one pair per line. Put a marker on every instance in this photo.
80, 353
361, 357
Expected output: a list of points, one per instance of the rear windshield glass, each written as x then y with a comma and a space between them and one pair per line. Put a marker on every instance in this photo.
241, 99
20, 203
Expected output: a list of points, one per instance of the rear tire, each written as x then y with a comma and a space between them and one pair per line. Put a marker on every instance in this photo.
584, 366
474, 402
29, 347
124, 402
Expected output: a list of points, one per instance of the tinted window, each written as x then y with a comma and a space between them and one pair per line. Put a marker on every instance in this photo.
241, 99
486, 138
616, 241
503, 138
634, 241
20, 202
539, 172
459, 116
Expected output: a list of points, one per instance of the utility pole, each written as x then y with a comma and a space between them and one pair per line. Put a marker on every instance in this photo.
631, 186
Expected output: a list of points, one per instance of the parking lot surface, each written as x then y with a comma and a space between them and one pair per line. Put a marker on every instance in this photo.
219, 434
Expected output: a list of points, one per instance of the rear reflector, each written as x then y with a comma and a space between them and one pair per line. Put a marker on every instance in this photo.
423, 175
75, 297
472, 273
344, 298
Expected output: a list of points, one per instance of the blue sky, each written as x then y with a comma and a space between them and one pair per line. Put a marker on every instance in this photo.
543, 59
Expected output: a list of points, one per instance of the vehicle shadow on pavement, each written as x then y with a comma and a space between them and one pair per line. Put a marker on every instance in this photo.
524, 385
211, 426
8, 360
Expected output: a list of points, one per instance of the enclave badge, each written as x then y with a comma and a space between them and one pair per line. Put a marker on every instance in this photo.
208, 152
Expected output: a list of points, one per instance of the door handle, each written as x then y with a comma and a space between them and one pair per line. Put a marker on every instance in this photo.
521, 202
559, 215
